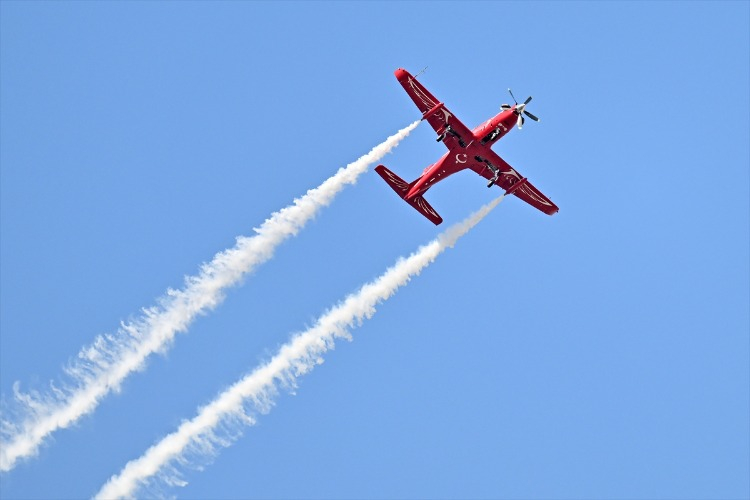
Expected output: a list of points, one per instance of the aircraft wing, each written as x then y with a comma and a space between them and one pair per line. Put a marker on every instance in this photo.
436, 114
508, 177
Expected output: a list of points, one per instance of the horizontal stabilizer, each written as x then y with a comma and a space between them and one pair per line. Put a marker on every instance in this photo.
397, 183
401, 187
425, 209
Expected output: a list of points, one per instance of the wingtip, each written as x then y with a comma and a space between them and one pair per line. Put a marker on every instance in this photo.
401, 74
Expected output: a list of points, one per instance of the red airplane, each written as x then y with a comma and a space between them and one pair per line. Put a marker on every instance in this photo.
466, 149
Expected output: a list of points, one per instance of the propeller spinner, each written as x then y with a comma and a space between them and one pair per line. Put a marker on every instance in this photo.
520, 109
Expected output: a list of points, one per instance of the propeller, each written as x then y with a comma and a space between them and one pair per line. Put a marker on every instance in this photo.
520, 109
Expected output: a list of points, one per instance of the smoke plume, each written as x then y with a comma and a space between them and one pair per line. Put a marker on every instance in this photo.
218, 423
101, 367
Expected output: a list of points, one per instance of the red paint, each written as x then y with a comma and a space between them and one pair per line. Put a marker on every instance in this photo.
464, 146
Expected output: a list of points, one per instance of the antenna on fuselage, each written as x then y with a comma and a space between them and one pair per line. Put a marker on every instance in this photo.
423, 70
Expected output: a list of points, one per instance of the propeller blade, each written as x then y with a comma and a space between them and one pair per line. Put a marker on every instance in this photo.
527, 100
530, 115
520, 122
514, 97
505, 106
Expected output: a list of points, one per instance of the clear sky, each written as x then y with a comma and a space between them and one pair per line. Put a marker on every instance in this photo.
603, 352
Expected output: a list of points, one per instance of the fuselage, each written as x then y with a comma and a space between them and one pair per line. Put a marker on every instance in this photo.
457, 159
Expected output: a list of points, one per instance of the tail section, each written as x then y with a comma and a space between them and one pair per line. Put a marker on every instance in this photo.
397, 183
425, 209
401, 187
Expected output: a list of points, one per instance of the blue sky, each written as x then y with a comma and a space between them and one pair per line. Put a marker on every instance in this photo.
599, 353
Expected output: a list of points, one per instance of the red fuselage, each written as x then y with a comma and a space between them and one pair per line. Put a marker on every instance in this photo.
467, 149
484, 136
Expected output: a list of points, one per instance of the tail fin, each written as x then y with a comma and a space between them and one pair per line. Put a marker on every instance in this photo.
402, 188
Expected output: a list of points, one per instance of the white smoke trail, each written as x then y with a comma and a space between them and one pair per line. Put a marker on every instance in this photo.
236, 406
101, 367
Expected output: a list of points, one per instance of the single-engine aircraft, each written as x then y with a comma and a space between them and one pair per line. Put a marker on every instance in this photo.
466, 149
